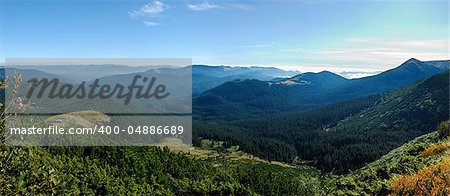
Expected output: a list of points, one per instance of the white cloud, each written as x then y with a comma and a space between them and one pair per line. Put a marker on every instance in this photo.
352, 75
429, 44
203, 6
380, 54
149, 11
150, 23
361, 57
152, 9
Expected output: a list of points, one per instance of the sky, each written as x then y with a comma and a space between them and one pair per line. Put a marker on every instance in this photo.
304, 35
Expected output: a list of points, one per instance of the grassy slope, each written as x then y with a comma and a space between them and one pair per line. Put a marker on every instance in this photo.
375, 177
146, 170
220, 156
143, 170
86, 118
149, 170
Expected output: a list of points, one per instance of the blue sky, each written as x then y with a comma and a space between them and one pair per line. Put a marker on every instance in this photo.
305, 35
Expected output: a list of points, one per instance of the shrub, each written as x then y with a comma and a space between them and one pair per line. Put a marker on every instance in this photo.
432, 180
444, 129
435, 149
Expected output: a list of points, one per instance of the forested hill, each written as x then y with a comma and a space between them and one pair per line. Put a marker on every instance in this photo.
343, 136
419, 167
397, 118
306, 91
408, 72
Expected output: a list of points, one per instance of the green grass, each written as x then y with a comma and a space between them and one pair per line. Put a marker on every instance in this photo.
374, 177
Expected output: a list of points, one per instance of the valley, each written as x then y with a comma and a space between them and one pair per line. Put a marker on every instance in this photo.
308, 134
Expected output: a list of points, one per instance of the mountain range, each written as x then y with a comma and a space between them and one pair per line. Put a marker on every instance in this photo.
223, 90
308, 90
204, 77
342, 136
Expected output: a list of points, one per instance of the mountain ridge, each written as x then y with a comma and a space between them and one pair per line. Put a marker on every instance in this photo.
310, 90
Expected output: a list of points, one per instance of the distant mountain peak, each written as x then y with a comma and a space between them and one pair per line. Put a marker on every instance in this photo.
322, 74
328, 73
416, 65
323, 78
413, 60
